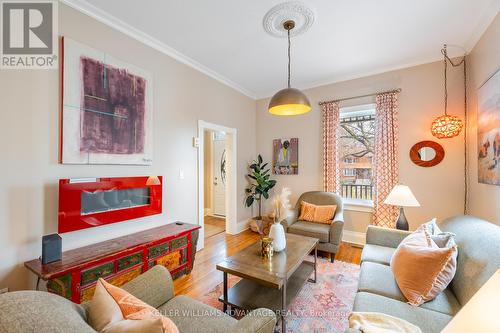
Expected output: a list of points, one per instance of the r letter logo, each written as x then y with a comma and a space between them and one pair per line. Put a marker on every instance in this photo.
29, 35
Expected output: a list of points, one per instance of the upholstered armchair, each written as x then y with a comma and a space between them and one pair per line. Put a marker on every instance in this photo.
329, 235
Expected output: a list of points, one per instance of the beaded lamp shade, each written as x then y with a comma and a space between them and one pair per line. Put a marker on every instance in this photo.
446, 127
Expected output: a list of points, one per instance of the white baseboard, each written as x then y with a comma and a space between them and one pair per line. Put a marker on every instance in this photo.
354, 237
242, 226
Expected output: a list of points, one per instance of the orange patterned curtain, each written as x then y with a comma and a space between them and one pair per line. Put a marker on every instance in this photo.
331, 122
385, 172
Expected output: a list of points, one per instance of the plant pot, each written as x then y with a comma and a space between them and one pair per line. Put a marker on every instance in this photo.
256, 225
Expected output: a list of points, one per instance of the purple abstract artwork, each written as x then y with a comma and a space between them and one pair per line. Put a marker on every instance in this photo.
113, 109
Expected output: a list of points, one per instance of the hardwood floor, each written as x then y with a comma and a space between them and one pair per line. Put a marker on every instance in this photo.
204, 277
214, 225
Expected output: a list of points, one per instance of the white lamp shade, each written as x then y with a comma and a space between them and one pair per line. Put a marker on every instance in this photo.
480, 313
401, 195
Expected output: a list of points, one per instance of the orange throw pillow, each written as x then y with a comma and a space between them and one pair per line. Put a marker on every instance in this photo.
135, 309
314, 213
423, 270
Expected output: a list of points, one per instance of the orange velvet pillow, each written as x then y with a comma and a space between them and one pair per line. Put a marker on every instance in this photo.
315, 213
422, 269
135, 309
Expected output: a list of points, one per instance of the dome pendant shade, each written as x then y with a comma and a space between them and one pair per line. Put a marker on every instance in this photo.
289, 102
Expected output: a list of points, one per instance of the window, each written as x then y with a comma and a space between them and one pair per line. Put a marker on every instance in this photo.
349, 172
356, 148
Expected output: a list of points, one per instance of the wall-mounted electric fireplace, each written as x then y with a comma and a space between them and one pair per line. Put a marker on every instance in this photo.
91, 202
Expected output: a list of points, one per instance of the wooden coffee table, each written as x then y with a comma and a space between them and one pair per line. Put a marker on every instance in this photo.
269, 283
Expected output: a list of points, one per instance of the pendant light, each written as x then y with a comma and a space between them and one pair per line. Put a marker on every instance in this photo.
448, 126
289, 101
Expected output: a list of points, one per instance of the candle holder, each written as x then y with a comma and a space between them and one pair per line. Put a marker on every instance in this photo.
267, 248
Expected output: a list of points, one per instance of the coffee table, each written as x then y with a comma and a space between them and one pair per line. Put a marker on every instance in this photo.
269, 283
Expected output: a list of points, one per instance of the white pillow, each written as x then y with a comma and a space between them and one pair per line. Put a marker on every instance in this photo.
441, 238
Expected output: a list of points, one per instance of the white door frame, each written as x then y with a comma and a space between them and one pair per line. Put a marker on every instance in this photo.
231, 167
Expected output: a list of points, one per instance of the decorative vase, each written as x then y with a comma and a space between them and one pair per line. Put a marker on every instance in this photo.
277, 233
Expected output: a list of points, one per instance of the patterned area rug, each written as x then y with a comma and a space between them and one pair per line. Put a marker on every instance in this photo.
319, 307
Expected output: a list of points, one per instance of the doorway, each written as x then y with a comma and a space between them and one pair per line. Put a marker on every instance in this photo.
216, 180
214, 146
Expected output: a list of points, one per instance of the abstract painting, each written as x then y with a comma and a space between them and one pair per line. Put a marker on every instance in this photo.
488, 131
286, 156
106, 110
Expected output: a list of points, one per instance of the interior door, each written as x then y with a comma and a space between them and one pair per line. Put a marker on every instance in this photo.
219, 174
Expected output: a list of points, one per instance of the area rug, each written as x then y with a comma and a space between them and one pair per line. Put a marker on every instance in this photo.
319, 307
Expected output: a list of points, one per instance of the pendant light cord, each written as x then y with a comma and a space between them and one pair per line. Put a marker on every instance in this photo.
464, 62
289, 69
445, 56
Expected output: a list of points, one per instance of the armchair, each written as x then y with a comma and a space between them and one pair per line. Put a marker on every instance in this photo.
329, 235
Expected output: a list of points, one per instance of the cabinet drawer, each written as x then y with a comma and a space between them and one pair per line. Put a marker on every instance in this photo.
171, 261
93, 274
129, 261
117, 280
60, 286
179, 242
158, 250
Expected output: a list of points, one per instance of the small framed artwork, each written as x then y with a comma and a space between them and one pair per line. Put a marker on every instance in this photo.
488, 131
286, 156
107, 109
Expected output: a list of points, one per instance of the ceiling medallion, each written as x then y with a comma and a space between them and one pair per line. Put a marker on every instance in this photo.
296, 11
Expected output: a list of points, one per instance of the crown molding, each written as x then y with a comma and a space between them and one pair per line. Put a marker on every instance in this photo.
115, 23
488, 16
359, 75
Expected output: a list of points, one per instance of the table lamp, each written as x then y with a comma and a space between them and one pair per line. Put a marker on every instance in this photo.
401, 196
480, 313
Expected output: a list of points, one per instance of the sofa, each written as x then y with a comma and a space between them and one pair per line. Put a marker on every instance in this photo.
478, 258
38, 311
329, 235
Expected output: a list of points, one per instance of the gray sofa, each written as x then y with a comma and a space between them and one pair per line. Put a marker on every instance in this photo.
38, 311
478, 258
329, 235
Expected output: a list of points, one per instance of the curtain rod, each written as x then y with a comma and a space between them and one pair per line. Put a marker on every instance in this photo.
361, 96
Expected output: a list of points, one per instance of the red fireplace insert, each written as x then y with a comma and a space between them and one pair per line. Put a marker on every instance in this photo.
91, 202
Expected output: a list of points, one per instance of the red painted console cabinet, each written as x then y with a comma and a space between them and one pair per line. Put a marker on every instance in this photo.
119, 260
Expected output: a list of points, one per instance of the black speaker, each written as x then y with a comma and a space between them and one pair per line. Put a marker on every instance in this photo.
51, 248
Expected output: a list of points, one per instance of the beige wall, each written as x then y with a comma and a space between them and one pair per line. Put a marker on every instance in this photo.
29, 141
483, 61
439, 189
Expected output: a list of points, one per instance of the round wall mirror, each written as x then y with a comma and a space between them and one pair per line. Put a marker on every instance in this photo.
426, 153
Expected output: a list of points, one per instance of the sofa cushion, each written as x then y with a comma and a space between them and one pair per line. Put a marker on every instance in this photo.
421, 268
478, 253
378, 254
133, 308
154, 287
378, 279
428, 321
190, 315
38, 311
103, 311
311, 229
317, 213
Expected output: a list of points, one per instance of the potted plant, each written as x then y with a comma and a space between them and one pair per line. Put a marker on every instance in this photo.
260, 184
